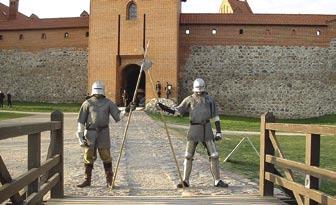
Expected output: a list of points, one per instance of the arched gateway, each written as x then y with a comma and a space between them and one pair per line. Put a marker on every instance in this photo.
129, 77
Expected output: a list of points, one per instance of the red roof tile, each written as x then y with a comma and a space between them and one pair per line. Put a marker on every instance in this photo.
76, 22
240, 7
5, 10
258, 19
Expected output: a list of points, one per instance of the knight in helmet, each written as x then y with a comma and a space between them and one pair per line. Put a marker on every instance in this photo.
93, 131
201, 108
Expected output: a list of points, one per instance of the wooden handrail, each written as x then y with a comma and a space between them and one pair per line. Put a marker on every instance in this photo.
316, 195
301, 128
11, 131
311, 170
307, 194
8, 190
40, 179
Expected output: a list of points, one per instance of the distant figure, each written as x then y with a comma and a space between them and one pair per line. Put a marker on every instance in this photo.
2, 97
158, 88
124, 98
168, 90
9, 100
88, 96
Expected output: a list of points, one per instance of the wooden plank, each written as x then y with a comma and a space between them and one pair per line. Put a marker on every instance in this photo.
26, 129
300, 128
195, 200
5, 178
34, 158
313, 144
311, 170
288, 173
58, 145
315, 195
15, 186
266, 188
37, 197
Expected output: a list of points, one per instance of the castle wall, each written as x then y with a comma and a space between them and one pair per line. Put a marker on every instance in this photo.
291, 81
55, 38
50, 75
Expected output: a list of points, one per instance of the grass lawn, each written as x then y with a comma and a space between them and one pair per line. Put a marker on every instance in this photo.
246, 162
249, 123
6, 116
43, 107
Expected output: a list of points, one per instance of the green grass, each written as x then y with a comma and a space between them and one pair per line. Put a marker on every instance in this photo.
246, 162
249, 123
43, 107
6, 116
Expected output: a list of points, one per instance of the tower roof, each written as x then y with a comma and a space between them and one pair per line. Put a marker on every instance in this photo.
236, 7
4, 11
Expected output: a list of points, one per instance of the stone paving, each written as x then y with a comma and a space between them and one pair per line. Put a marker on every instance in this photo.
147, 167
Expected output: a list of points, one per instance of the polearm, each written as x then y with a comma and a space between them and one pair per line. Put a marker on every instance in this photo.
129, 116
166, 128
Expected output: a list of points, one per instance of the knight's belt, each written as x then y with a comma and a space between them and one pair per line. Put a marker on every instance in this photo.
98, 129
201, 123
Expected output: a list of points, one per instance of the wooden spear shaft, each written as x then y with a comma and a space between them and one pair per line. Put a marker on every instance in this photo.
129, 119
166, 128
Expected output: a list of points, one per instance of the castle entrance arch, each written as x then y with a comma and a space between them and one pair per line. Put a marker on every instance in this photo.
130, 75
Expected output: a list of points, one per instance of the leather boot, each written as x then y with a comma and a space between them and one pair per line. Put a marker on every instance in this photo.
87, 178
108, 173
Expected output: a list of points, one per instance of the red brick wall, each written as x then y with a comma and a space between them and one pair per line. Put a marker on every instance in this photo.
32, 39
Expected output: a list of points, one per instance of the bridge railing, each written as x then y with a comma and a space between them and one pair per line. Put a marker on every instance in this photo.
40, 178
271, 155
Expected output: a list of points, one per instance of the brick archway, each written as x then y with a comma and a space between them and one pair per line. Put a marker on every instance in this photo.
129, 76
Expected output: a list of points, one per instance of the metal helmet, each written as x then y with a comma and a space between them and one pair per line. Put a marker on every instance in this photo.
98, 88
199, 85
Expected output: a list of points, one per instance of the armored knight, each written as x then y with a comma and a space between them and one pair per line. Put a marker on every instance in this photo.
201, 108
93, 131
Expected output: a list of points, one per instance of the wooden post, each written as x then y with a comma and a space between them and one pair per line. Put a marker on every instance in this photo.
266, 188
57, 139
34, 159
313, 142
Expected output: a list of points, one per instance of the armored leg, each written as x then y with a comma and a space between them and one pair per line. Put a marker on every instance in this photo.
189, 154
105, 155
214, 164
214, 161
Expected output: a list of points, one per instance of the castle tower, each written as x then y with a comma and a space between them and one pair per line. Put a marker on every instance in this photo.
13, 9
225, 7
119, 32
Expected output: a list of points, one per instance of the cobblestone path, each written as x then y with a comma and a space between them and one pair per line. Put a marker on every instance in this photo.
147, 167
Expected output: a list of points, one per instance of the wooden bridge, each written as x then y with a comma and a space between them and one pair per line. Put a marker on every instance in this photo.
42, 178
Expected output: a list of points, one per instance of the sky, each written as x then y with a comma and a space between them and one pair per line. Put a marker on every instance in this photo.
69, 8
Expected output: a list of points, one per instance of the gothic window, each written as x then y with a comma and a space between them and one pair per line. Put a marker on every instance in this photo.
66, 35
241, 31
87, 34
44, 36
187, 31
21, 37
132, 11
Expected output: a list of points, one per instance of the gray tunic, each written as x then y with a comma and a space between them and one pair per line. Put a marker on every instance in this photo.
201, 109
94, 114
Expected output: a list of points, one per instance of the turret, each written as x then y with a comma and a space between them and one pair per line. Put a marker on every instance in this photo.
13, 9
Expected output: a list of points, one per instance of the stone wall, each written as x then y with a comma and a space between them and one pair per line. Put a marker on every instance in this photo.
292, 82
51, 75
